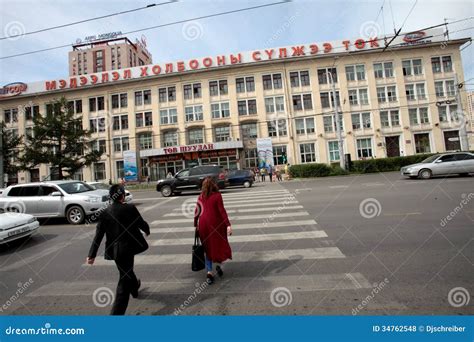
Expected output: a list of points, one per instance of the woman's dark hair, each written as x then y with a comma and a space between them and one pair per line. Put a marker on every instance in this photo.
209, 186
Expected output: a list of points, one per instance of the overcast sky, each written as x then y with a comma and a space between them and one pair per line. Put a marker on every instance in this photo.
286, 24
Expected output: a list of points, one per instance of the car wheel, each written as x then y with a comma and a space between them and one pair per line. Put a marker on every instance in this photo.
75, 215
425, 174
166, 191
247, 184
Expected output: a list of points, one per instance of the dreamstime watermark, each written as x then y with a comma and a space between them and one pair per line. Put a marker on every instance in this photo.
377, 287
14, 30
192, 30
458, 296
13, 207
200, 287
280, 297
288, 200
369, 30
46, 330
190, 208
95, 216
466, 198
370, 208
102, 297
22, 287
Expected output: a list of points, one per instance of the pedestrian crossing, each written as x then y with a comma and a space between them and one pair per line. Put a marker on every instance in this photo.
270, 227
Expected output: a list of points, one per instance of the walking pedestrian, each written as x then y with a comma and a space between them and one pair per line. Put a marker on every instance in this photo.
278, 175
212, 223
121, 224
263, 171
270, 172
256, 172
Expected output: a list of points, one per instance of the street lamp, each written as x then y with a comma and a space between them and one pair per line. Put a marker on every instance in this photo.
338, 122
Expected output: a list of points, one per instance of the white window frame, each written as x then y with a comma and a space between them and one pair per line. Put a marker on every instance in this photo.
219, 108
303, 154
195, 115
384, 70
168, 116
390, 117
370, 148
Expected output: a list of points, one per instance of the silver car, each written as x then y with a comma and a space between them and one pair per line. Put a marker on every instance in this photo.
15, 226
73, 200
461, 163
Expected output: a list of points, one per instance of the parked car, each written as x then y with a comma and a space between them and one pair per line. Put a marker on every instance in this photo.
15, 226
103, 186
73, 200
461, 163
241, 177
191, 179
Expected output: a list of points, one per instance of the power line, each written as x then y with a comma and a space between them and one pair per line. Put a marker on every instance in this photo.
158, 26
87, 20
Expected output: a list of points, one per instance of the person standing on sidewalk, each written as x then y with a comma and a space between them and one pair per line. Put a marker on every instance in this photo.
121, 224
263, 171
212, 223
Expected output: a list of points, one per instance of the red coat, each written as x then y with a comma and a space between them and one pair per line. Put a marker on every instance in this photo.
212, 222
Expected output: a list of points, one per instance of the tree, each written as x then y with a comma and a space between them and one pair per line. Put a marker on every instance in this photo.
11, 143
58, 139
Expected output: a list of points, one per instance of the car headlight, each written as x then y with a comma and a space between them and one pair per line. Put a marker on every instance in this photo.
92, 199
33, 219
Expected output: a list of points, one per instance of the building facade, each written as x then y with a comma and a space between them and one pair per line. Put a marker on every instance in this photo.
214, 109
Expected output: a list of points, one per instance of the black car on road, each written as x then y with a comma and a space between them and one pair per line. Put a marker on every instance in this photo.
241, 177
191, 180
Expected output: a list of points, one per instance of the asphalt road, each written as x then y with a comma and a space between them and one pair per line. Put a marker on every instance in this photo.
355, 245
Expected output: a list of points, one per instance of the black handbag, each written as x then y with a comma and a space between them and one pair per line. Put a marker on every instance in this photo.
198, 263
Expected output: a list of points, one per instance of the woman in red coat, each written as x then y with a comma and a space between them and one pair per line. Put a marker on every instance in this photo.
211, 220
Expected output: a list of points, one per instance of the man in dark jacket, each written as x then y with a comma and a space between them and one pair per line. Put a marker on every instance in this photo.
121, 224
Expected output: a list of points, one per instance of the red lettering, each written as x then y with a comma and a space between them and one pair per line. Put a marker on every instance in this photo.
94, 79
207, 62
220, 60
72, 83
181, 66
256, 56
282, 53
169, 67
127, 73
346, 43
314, 49
359, 43
83, 80
298, 50
105, 77
144, 71
50, 85
327, 47
156, 69
235, 60
115, 76
374, 42
269, 53
194, 64
62, 84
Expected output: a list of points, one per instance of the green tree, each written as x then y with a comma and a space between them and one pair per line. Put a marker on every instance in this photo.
59, 140
11, 144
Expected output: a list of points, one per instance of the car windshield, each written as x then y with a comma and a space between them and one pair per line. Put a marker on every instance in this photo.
76, 187
430, 159
100, 186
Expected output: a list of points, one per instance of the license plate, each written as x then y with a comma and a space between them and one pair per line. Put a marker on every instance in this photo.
18, 231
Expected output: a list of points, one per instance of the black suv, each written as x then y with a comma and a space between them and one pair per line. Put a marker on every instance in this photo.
191, 179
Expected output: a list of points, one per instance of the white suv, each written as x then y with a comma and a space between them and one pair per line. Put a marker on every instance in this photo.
73, 200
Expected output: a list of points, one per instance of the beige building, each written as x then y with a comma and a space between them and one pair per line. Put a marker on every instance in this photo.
95, 56
215, 109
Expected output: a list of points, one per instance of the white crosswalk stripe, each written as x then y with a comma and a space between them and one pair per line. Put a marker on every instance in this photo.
177, 212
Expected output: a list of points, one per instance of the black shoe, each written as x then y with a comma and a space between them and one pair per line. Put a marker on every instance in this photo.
219, 270
135, 292
210, 279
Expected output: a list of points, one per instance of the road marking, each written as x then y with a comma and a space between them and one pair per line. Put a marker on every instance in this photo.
316, 234
374, 184
238, 218
273, 204
251, 193
144, 210
304, 189
294, 283
338, 186
253, 256
401, 214
150, 199
275, 198
233, 211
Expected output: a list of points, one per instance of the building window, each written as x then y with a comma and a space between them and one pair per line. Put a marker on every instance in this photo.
145, 141
99, 171
355, 72
97, 125
143, 119
220, 110
323, 75
119, 169
304, 126
445, 88
441, 64
333, 149
329, 123
249, 130
170, 138
142, 97
245, 84
33, 111
247, 107
307, 153
251, 158
418, 116
121, 144
277, 128
195, 136
144, 167
361, 120
412, 67
221, 133
274, 104
448, 113
358, 96
99, 146
192, 91
389, 118
120, 122
119, 101
364, 148
96, 104
299, 79
383, 70
272, 81
279, 154
327, 99
168, 116
302, 102
388, 93
218, 88
74, 106
422, 142
193, 113
167, 94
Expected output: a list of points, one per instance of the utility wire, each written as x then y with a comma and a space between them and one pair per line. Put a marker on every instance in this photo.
87, 20
401, 27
